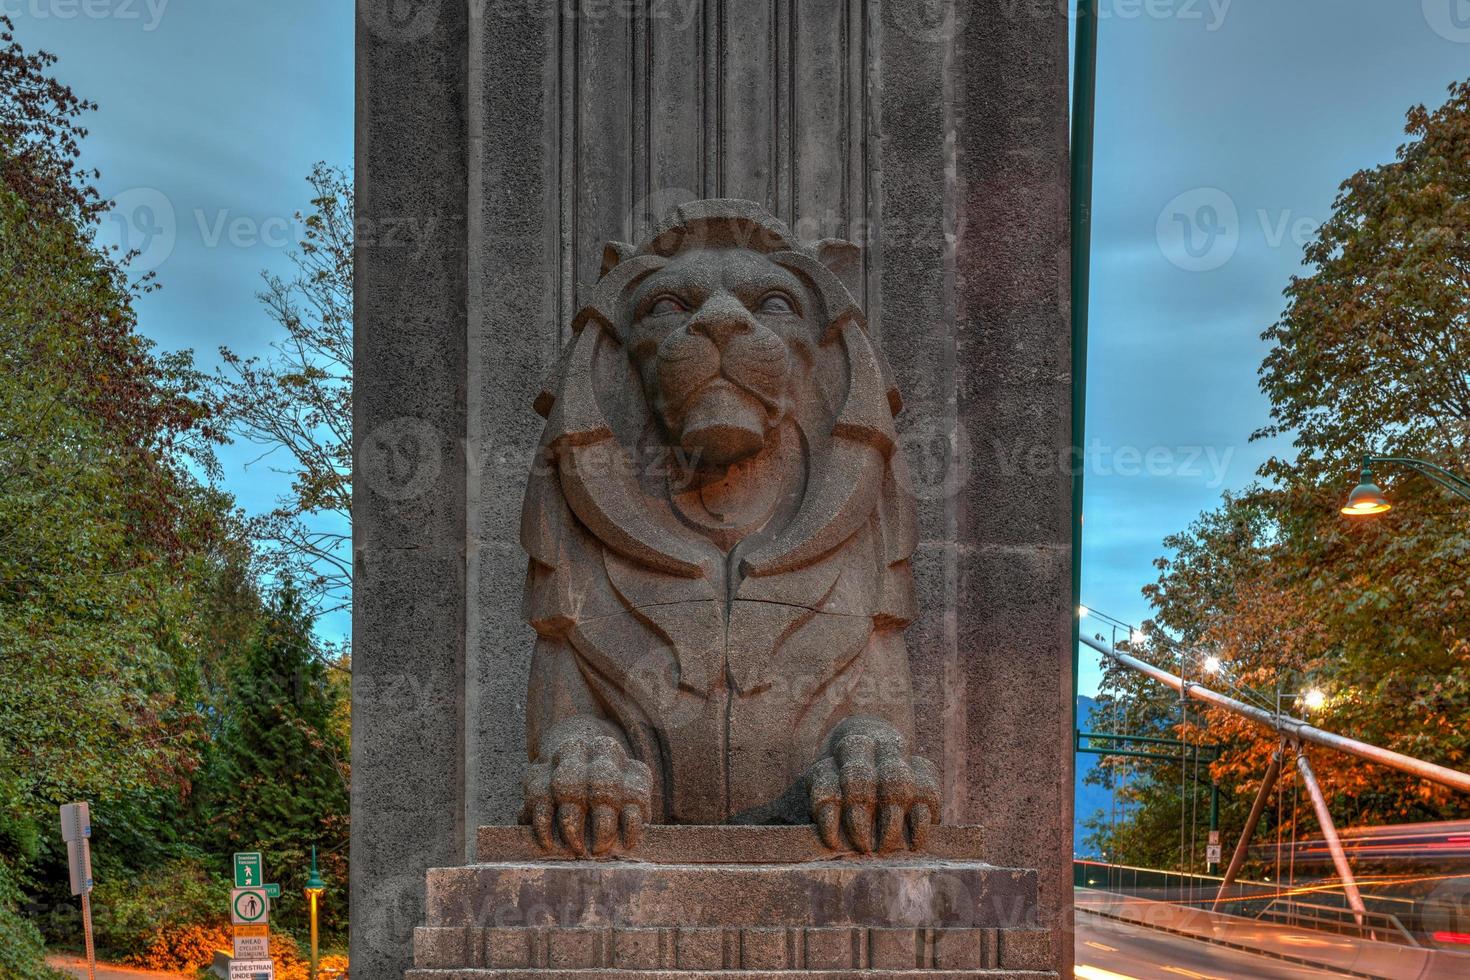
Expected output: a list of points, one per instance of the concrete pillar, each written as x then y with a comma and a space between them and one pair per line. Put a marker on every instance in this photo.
500, 143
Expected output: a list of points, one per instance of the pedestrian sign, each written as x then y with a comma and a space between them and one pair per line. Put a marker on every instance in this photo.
248, 872
249, 905
1212, 854
252, 970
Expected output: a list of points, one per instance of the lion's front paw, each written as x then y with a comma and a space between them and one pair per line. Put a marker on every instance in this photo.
868, 786
589, 798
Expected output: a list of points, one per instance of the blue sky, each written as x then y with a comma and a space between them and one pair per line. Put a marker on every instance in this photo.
1223, 130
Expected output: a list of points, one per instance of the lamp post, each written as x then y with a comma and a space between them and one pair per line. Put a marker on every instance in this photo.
1367, 499
314, 888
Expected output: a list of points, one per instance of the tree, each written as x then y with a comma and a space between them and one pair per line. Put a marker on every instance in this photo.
278, 779
298, 401
40, 139
123, 593
1372, 354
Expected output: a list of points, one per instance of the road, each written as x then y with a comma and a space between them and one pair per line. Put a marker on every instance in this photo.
1109, 950
77, 967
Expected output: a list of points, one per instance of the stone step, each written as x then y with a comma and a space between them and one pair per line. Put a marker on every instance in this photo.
843, 892
719, 951
477, 974
727, 844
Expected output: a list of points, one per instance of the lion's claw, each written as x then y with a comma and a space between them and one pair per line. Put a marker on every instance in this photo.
882, 799
597, 797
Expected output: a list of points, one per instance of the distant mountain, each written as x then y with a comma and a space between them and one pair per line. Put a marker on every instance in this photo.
1089, 800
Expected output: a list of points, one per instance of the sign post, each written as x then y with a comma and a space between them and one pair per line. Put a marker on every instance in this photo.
76, 831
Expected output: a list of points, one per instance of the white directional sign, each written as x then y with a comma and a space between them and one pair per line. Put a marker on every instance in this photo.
252, 970
252, 942
249, 905
1212, 854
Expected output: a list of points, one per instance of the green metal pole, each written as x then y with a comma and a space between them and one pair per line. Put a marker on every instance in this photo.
1452, 482
1084, 102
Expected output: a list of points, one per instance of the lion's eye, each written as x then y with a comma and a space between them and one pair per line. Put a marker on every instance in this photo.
665, 305
777, 303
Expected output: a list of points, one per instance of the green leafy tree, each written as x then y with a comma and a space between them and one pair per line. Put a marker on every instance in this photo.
1372, 354
278, 779
123, 585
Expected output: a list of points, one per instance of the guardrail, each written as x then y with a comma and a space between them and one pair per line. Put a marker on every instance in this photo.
1304, 908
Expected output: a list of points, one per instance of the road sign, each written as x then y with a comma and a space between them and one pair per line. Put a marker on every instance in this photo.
1212, 854
1214, 837
248, 870
252, 970
76, 821
76, 830
272, 890
249, 905
254, 945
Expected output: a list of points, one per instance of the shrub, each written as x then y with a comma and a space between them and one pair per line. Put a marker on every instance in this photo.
170, 918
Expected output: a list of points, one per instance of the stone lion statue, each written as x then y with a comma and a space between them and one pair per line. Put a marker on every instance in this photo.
720, 528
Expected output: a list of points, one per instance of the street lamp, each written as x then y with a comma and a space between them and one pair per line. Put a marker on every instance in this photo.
1367, 499
314, 888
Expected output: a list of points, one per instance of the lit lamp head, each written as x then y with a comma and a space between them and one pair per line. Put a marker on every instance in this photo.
1366, 499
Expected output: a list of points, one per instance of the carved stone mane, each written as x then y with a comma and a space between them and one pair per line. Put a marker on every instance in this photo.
720, 523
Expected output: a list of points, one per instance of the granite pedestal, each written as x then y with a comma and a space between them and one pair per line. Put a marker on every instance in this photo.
731, 901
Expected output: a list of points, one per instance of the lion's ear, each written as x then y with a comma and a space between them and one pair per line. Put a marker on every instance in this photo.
614, 254
845, 260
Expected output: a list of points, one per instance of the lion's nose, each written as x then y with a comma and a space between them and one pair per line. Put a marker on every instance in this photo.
721, 318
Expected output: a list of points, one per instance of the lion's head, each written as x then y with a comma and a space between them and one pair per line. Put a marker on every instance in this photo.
721, 315
715, 335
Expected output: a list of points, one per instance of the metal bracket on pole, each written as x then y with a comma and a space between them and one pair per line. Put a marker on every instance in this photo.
1273, 771
1329, 831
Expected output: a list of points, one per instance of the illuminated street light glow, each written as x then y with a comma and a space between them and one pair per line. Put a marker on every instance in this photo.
1083, 611
1366, 499
1314, 699
1138, 638
1212, 664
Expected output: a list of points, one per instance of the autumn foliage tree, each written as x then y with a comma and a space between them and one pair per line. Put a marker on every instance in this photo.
1372, 355
129, 618
295, 403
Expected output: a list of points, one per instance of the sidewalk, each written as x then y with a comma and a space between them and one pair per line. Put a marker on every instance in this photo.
1357, 957
77, 967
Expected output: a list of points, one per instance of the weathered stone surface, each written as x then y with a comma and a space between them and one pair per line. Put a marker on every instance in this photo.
906, 894
909, 914
547, 950
726, 975
408, 480
676, 844
939, 144
720, 525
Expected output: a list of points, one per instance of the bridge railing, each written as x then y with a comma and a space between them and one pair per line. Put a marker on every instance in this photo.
1323, 907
